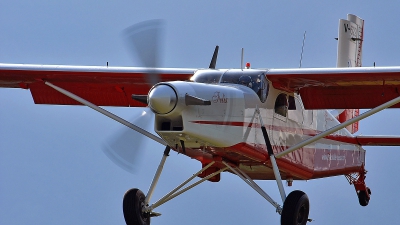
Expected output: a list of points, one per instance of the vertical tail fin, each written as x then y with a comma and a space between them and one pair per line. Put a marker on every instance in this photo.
350, 40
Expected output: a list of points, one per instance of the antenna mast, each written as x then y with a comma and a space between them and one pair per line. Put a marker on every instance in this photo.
241, 59
302, 48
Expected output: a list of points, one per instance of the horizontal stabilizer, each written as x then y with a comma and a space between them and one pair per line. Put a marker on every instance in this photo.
378, 140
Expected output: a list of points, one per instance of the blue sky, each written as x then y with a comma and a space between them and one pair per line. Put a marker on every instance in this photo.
52, 169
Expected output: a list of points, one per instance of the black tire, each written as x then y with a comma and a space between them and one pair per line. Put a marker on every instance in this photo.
295, 209
363, 199
132, 206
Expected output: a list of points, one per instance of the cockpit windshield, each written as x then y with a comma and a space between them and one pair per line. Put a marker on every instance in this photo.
207, 77
253, 79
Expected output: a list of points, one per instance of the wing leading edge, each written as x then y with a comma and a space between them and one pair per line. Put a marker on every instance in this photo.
340, 88
103, 86
330, 88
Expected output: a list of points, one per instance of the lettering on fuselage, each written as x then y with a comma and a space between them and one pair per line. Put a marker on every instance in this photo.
218, 99
333, 157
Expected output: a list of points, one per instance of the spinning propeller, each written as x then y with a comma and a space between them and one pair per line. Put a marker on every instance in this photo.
144, 41
124, 147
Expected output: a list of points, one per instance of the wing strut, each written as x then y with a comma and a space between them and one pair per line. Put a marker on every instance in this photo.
180, 190
107, 113
255, 186
338, 127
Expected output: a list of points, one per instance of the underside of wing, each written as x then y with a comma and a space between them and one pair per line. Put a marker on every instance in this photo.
103, 86
340, 88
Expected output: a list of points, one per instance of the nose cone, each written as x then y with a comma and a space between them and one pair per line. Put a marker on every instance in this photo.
162, 99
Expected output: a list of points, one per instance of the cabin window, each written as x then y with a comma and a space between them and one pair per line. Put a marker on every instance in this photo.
281, 105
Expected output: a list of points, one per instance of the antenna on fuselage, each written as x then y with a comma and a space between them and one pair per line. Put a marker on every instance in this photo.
241, 59
302, 48
213, 62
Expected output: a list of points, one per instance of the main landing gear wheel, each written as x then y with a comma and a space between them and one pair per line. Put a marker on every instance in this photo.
295, 209
363, 198
133, 204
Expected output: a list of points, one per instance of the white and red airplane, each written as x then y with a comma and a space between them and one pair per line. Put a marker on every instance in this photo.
260, 124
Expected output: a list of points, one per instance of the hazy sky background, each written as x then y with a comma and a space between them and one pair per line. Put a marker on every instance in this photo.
52, 169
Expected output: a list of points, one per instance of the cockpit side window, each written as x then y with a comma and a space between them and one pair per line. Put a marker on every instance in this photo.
281, 105
258, 83
263, 87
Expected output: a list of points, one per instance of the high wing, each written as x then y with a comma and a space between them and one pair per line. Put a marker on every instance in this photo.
340, 88
102, 86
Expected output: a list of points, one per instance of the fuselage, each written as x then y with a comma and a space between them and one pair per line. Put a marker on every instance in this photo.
230, 126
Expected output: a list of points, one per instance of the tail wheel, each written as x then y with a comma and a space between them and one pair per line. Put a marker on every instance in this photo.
295, 209
133, 204
363, 197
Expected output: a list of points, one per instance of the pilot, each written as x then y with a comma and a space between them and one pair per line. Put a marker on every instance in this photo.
256, 85
246, 81
281, 105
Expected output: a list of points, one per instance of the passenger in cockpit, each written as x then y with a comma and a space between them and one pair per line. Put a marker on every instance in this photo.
246, 81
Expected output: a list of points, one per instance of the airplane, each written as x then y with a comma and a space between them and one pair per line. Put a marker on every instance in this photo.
260, 124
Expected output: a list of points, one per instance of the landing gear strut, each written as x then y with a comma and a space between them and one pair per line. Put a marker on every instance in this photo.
136, 207
296, 205
358, 180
